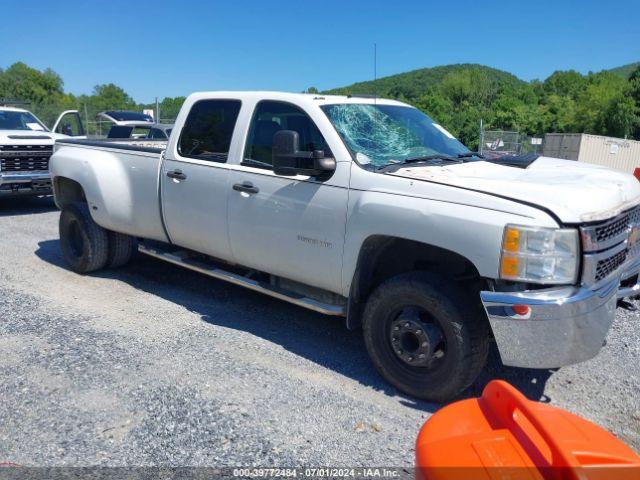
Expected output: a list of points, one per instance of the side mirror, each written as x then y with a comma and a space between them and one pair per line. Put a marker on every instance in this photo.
288, 160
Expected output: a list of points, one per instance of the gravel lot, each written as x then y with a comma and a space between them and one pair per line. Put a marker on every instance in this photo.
156, 365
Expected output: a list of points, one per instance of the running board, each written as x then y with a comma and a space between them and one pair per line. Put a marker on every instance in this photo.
182, 259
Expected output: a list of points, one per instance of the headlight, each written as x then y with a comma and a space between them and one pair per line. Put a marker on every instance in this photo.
539, 255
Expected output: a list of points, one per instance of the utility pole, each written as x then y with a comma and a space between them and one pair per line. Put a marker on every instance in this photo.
86, 119
481, 146
375, 72
157, 111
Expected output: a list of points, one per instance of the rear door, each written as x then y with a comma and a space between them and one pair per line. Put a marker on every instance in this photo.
195, 183
287, 226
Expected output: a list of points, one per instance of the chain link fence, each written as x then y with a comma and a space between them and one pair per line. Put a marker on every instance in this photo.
504, 142
94, 126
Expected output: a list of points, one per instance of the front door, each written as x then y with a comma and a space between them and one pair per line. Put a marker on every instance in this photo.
195, 183
69, 123
287, 226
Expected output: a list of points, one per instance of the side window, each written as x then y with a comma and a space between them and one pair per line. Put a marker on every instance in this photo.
140, 132
207, 132
70, 124
271, 117
156, 133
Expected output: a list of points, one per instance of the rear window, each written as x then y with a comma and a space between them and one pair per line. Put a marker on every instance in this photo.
207, 132
119, 131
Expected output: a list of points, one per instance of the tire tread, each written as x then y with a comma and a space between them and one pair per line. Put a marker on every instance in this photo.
468, 317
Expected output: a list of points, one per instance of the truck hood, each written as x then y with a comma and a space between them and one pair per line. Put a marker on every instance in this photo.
575, 192
24, 137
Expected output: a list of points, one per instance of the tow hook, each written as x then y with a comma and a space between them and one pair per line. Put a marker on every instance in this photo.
627, 305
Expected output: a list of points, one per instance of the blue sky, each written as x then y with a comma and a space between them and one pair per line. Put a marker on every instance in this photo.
170, 48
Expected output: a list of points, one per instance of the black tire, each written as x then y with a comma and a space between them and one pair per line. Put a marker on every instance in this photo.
461, 335
121, 249
84, 243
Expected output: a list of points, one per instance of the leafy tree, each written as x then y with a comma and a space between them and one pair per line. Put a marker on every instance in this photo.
634, 93
22, 82
110, 97
565, 84
621, 117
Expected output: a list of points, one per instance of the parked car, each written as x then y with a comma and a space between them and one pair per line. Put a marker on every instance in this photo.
125, 117
159, 131
367, 209
25, 147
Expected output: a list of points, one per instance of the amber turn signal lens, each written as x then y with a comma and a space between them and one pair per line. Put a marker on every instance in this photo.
509, 266
511, 242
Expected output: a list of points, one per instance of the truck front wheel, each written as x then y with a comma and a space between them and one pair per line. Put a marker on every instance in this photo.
84, 243
425, 335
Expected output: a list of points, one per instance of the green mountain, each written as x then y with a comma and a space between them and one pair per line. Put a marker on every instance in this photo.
625, 70
412, 84
461, 96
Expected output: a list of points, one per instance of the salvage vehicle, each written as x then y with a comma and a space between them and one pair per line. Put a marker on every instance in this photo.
366, 208
25, 147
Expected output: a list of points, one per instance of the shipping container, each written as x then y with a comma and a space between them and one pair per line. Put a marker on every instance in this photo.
617, 153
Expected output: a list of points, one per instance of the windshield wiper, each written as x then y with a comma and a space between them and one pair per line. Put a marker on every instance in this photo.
435, 159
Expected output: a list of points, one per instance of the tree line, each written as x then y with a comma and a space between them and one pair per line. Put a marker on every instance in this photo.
457, 96
44, 92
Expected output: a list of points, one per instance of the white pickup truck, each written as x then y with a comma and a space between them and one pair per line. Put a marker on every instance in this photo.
368, 209
25, 147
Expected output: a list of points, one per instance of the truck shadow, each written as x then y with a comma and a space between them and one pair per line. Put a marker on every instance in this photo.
321, 339
15, 206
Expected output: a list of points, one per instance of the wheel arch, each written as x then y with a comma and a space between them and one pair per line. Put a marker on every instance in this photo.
67, 191
383, 256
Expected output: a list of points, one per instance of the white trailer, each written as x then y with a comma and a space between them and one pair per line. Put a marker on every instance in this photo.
616, 153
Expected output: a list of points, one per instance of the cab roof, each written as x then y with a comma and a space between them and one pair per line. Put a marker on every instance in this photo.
299, 98
13, 109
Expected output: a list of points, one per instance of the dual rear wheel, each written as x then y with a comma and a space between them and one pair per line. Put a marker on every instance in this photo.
88, 247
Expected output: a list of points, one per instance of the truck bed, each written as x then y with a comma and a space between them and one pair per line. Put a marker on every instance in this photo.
127, 201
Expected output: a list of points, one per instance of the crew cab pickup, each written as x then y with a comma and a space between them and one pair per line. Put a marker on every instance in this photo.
25, 147
367, 209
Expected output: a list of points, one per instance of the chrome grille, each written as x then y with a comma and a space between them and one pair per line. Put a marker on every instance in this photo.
25, 158
610, 246
607, 266
612, 230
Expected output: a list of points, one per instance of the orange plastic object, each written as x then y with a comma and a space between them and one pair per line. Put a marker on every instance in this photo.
502, 435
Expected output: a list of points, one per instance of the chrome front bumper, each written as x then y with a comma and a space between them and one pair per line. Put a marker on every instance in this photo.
24, 177
630, 271
563, 326
17, 183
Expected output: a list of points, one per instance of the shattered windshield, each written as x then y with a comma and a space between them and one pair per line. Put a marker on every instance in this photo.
378, 135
